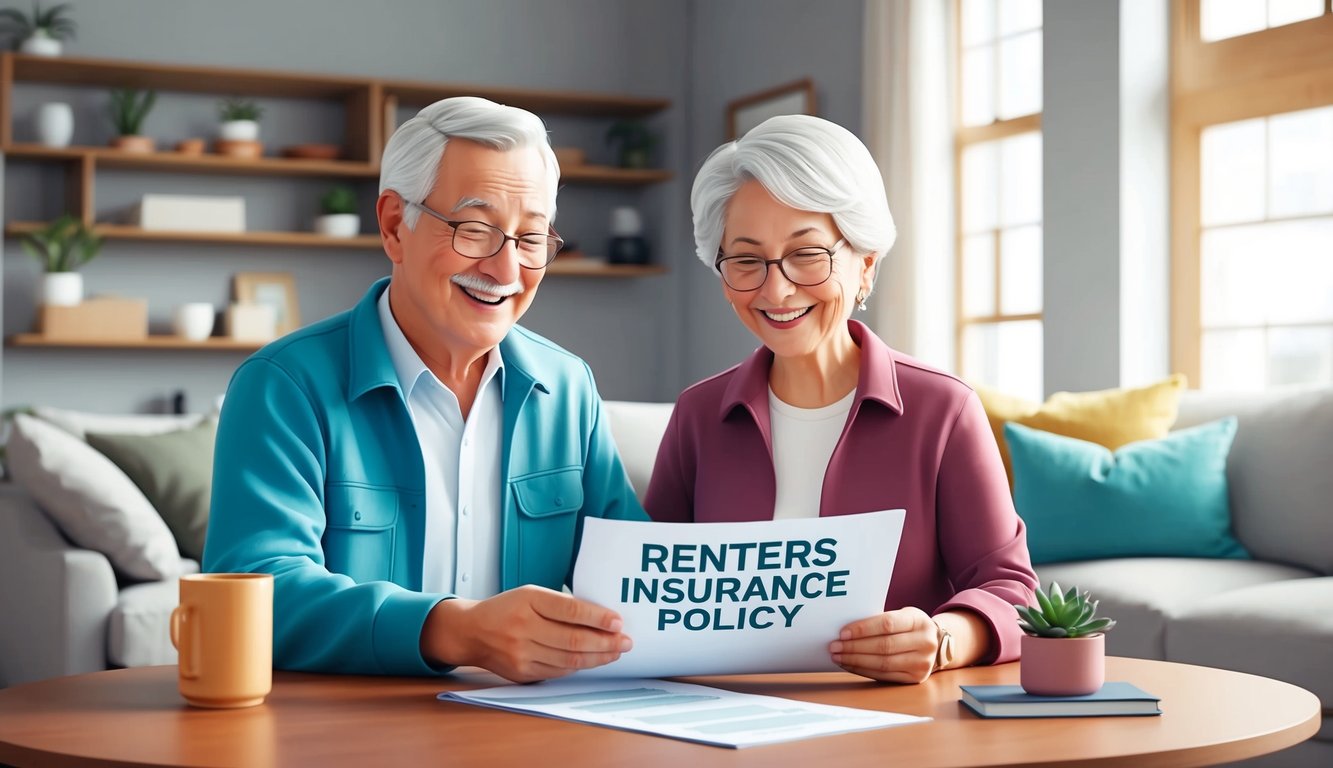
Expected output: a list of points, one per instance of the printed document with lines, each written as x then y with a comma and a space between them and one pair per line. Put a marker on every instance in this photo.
680, 710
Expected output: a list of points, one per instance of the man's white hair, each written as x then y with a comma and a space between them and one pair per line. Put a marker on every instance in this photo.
806, 163
411, 160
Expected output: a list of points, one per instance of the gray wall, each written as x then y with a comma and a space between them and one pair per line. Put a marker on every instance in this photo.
742, 47
626, 328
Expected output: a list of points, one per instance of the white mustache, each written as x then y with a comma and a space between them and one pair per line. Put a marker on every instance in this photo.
482, 285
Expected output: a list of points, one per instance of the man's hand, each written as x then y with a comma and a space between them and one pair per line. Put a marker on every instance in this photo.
896, 646
526, 634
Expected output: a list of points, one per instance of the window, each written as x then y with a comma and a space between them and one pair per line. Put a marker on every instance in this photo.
999, 213
1253, 207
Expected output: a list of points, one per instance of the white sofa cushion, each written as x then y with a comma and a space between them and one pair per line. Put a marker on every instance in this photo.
1282, 630
1278, 471
95, 504
138, 632
1143, 593
637, 429
80, 423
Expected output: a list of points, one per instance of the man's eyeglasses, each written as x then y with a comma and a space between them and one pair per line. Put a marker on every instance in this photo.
479, 240
808, 266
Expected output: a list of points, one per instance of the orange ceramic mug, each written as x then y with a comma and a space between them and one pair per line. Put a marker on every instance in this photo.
223, 629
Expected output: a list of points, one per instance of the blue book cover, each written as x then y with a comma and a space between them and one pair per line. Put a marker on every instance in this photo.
1117, 698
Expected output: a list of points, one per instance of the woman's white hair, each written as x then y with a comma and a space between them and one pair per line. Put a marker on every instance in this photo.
806, 163
411, 162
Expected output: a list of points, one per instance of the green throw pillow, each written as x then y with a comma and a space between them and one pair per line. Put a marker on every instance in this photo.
1152, 498
175, 472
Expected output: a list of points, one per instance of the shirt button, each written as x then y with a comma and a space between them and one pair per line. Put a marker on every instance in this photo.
559, 502
464, 578
465, 442
464, 511
356, 515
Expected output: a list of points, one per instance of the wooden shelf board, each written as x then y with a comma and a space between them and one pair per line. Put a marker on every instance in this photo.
208, 163
606, 174
119, 73
301, 239
152, 342
559, 102
583, 267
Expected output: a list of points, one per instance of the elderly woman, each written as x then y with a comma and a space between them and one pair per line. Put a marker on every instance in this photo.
825, 419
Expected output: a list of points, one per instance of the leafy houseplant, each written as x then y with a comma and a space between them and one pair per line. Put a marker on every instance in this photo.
62, 247
1063, 645
41, 33
635, 142
238, 132
127, 110
340, 218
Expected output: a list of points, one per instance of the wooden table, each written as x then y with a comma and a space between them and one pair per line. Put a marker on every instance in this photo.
135, 717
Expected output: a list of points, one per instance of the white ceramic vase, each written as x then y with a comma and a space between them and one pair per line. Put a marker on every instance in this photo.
39, 44
55, 124
239, 130
62, 289
338, 225
194, 321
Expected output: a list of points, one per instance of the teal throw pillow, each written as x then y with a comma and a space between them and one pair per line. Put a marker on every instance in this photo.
1152, 498
175, 472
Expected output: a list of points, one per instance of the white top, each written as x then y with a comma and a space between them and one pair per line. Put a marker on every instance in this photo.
462, 460
803, 443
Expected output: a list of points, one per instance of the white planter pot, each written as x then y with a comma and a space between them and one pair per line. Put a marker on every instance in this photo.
55, 124
239, 130
194, 321
62, 289
338, 225
41, 45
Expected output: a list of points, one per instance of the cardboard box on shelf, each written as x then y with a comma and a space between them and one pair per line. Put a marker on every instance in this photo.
190, 213
251, 322
98, 319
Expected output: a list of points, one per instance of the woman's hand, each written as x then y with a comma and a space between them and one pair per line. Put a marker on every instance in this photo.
895, 646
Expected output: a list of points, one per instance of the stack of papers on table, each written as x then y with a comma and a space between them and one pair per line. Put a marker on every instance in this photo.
681, 711
1012, 701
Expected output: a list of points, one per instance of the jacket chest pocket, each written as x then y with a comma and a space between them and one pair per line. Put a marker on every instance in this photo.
548, 505
360, 536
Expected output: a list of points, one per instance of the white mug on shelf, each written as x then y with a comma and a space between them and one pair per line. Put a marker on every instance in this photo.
55, 124
194, 321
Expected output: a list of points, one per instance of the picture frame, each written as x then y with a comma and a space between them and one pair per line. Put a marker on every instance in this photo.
276, 289
794, 98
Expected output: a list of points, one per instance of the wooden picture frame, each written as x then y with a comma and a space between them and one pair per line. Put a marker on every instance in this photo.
276, 289
794, 98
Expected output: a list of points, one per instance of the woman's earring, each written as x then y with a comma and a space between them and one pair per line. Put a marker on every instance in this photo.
861, 301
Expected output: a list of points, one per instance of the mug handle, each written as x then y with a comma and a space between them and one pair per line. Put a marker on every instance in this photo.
179, 616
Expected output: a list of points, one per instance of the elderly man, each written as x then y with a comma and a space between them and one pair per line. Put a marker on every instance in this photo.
415, 471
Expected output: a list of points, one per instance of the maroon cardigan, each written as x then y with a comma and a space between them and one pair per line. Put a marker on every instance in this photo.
916, 439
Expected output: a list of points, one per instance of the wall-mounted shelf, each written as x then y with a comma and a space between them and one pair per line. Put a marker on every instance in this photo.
106, 157
606, 174
152, 342
295, 239
594, 268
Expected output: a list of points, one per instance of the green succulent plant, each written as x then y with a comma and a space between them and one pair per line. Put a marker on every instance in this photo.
54, 22
635, 140
128, 108
236, 108
340, 199
64, 245
1068, 614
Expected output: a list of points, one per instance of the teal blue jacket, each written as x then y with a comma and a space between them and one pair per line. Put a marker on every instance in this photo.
318, 479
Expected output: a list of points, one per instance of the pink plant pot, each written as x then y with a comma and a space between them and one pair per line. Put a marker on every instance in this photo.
1062, 666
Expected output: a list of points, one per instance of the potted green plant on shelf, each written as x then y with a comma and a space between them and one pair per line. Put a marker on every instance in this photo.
62, 247
635, 143
42, 33
1063, 645
339, 218
238, 131
127, 110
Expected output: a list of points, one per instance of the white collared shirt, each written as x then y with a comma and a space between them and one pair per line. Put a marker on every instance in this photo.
462, 460
803, 443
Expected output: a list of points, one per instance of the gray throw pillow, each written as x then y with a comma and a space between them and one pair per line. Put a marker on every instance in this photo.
175, 472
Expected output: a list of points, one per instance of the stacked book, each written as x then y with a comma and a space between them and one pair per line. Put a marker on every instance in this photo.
1012, 701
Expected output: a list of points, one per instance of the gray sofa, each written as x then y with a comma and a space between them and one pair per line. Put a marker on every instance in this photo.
65, 613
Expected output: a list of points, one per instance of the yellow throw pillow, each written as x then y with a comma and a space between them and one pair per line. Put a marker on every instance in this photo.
1108, 417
